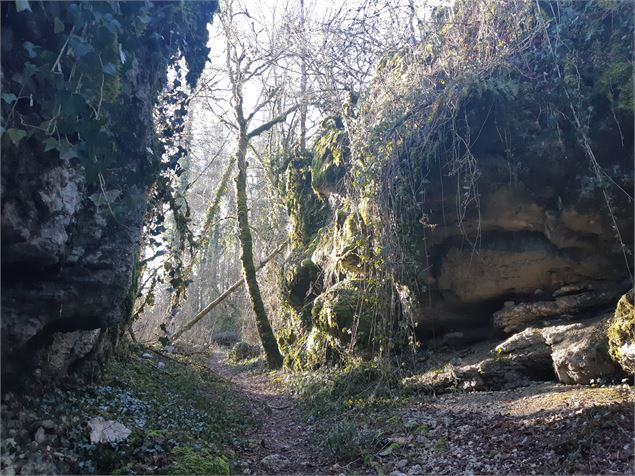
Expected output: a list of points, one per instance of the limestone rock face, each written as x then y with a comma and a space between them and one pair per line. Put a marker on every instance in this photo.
67, 264
66, 349
573, 353
526, 250
515, 318
520, 228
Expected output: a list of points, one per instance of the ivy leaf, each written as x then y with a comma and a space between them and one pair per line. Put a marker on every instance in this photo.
109, 69
30, 69
114, 26
73, 104
21, 5
58, 26
9, 98
68, 154
105, 198
31, 49
80, 48
16, 135
50, 144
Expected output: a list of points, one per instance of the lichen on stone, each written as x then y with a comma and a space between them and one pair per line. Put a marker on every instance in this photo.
621, 333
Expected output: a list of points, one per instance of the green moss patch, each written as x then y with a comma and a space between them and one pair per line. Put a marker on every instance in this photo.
190, 461
621, 333
345, 312
307, 211
331, 157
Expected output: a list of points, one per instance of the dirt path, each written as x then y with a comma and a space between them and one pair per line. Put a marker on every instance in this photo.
281, 444
544, 428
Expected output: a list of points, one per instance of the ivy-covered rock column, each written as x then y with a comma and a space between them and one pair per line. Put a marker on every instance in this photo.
80, 85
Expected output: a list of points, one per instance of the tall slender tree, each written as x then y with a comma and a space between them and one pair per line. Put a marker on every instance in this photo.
245, 68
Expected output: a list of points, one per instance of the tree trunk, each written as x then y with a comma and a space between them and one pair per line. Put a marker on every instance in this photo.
269, 343
303, 81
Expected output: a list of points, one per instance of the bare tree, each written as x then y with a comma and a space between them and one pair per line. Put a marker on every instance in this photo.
241, 93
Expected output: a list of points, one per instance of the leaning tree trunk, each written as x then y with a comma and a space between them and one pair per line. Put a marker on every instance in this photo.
269, 343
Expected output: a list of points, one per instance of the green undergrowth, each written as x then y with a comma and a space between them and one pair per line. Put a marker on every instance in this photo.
243, 351
254, 365
349, 408
183, 418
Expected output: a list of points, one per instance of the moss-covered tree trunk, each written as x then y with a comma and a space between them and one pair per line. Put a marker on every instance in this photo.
269, 343
241, 67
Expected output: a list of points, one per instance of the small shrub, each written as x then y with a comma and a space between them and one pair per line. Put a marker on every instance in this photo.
226, 339
340, 441
347, 441
243, 351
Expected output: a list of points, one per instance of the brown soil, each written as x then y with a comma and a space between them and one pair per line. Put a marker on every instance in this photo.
544, 428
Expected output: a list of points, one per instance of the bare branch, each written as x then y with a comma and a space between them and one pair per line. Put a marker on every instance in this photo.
269, 124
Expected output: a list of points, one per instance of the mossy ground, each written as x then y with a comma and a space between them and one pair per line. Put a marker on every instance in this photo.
184, 420
348, 408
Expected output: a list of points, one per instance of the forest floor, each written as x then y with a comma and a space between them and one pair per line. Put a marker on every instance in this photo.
357, 420
202, 414
160, 413
281, 442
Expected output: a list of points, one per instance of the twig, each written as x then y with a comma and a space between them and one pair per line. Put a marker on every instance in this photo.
59, 56
101, 89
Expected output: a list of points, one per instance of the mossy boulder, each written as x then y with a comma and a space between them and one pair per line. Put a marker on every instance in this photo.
346, 246
321, 348
621, 333
352, 245
329, 165
300, 282
337, 321
308, 349
345, 312
243, 351
327, 174
307, 211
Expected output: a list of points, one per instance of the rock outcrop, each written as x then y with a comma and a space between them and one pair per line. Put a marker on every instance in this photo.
480, 204
572, 353
514, 318
621, 333
67, 264
75, 188
522, 208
